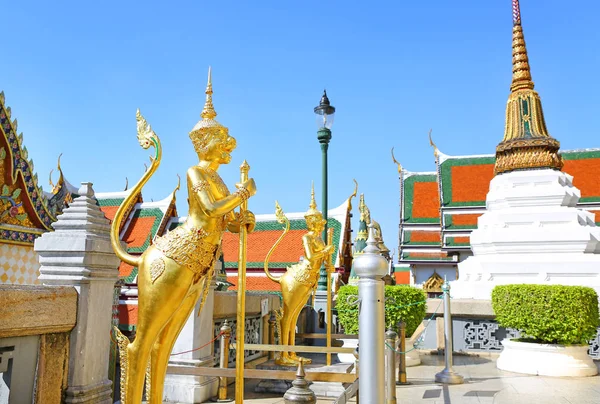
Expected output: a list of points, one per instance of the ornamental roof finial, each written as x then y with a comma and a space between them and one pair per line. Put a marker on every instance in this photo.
436, 151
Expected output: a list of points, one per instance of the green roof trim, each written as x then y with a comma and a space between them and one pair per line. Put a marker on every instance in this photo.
451, 241
110, 202
127, 327
409, 194
131, 277
580, 154
398, 268
446, 177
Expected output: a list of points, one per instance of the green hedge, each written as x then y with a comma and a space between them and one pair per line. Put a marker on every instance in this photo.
411, 310
551, 314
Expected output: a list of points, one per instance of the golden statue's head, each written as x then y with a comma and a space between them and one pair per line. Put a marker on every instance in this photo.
314, 218
211, 140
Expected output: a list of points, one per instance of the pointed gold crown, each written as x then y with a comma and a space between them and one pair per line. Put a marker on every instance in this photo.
312, 212
207, 127
526, 144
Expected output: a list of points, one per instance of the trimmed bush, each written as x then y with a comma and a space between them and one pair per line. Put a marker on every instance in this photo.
549, 314
408, 305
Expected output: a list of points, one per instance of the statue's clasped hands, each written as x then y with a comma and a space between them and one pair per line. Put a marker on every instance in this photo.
245, 217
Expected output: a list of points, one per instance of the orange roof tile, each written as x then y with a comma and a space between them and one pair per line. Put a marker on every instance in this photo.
424, 236
259, 244
256, 283
128, 314
441, 254
426, 200
471, 183
138, 231
109, 212
585, 175
402, 278
125, 269
465, 220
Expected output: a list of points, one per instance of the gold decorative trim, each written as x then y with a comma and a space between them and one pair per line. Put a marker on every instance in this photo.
157, 268
188, 248
528, 158
122, 342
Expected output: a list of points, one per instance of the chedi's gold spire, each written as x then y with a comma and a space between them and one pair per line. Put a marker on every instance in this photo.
526, 143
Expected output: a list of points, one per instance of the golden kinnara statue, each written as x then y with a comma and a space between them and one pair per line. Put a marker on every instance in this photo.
175, 271
300, 280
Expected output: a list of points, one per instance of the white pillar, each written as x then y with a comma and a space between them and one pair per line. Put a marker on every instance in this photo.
78, 253
371, 267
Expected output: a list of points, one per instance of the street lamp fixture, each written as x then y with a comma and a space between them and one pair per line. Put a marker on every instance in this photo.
324, 113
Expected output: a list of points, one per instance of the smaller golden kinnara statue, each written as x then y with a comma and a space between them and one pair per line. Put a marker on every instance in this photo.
300, 280
175, 271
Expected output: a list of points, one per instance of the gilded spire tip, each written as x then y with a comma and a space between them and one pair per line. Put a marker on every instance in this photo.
516, 9
313, 202
209, 110
521, 78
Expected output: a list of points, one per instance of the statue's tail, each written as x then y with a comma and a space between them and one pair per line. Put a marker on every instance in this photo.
281, 218
147, 138
122, 342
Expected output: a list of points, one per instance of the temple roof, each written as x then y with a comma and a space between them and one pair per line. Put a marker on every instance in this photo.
463, 184
24, 209
420, 198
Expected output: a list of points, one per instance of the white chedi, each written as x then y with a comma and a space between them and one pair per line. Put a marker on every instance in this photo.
531, 232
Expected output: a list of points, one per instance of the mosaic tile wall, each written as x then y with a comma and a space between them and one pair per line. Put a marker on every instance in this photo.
18, 265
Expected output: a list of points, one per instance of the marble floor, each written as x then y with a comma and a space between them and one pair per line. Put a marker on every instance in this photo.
483, 384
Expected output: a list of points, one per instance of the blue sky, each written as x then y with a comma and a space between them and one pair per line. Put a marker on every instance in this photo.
75, 72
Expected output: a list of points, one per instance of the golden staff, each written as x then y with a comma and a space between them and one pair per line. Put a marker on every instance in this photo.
329, 267
241, 298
